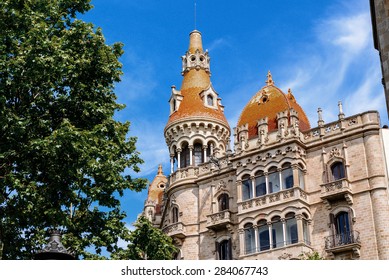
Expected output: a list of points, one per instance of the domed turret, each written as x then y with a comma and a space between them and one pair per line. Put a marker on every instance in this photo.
197, 127
267, 103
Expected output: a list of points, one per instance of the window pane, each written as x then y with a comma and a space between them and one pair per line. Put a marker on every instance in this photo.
337, 170
224, 250
287, 178
198, 154
260, 186
274, 182
264, 239
301, 179
249, 240
291, 231
209, 100
278, 235
247, 192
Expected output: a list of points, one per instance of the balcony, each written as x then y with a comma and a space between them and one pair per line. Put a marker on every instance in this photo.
175, 230
336, 190
219, 220
344, 242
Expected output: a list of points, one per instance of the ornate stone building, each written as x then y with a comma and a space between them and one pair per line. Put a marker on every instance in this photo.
286, 189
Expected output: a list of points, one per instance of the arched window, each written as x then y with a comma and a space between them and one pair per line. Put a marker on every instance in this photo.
198, 154
337, 171
175, 214
263, 235
185, 156
224, 250
291, 228
260, 184
247, 190
305, 229
287, 176
274, 180
223, 201
174, 105
249, 238
342, 228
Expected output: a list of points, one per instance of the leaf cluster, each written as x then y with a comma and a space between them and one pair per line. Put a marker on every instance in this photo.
147, 243
62, 154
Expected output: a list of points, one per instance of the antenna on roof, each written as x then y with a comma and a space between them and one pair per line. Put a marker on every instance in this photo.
195, 14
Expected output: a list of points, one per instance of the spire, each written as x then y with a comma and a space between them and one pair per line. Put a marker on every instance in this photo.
269, 81
195, 64
160, 172
195, 42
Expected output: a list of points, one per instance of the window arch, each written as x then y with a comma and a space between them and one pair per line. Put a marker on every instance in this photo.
337, 171
223, 202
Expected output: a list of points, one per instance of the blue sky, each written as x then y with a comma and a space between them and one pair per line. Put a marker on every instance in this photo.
322, 50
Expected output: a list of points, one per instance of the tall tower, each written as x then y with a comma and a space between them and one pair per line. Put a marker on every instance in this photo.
197, 127
196, 133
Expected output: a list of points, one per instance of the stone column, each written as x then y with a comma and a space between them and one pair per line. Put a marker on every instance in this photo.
300, 230
283, 221
178, 158
280, 178
242, 247
296, 177
253, 185
256, 238
266, 181
190, 155
270, 234
205, 153
239, 190
171, 164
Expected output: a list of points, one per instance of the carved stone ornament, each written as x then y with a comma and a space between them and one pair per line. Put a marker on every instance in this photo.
335, 152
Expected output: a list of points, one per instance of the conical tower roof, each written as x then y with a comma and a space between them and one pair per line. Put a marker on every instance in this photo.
196, 81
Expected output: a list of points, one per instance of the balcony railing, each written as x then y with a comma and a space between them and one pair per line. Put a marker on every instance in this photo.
177, 229
336, 188
219, 220
342, 240
273, 198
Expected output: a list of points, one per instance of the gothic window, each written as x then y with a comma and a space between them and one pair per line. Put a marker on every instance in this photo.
174, 105
247, 190
263, 235
224, 250
175, 214
223, 202
198, 154
185, 157
249, 238
342, 227
291, 229
287, 176
260, 184
274, 180
337, 171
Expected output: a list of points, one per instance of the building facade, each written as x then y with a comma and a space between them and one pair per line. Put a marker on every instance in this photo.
286, 188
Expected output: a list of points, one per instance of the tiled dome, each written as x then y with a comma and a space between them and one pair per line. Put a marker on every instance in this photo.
267, 102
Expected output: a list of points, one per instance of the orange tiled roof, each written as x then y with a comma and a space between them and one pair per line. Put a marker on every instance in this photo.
267, 102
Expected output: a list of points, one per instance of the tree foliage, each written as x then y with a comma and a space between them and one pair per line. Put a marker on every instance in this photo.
62, 155
147, 243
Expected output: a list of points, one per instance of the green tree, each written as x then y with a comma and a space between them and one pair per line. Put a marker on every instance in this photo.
62, 155
314, 255
147, 243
